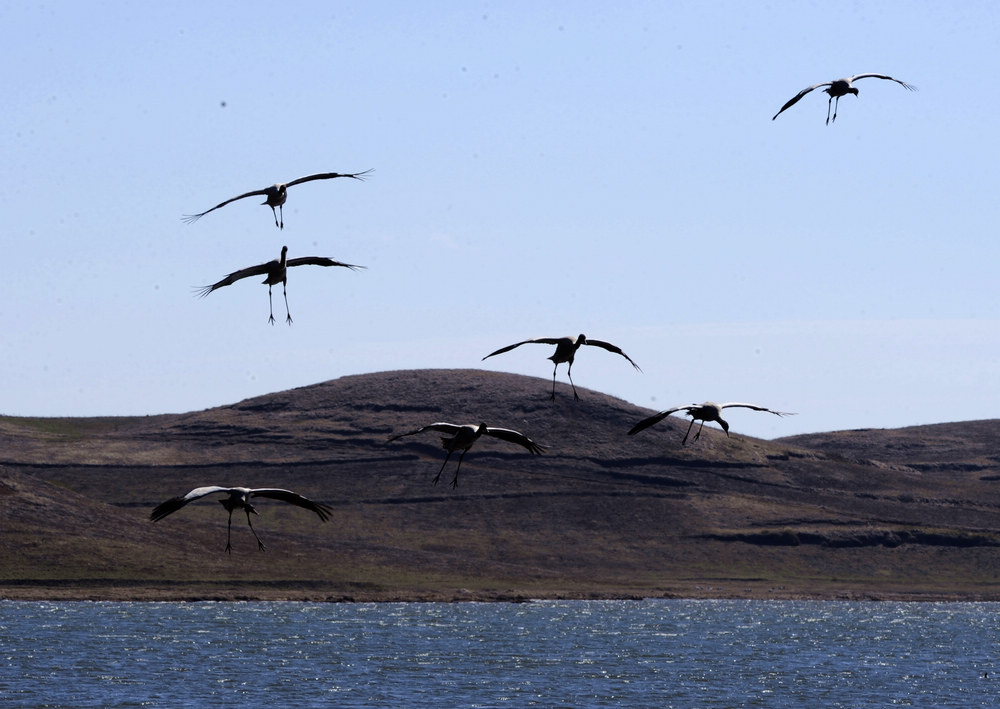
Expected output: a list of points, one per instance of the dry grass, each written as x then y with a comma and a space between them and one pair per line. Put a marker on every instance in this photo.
907, 513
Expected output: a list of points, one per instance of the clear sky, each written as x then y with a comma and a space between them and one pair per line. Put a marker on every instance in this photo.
541, 169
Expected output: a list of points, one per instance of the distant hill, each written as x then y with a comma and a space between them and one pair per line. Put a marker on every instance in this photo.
906, 513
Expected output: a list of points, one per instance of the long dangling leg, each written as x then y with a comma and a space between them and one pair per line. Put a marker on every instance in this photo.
275, 216
270, 304
284, 290
553, 397
260, 544
828, 102
836, 105
229, 534
688, 432
569, 373
438, 476
454, 480
281, 210
698, 435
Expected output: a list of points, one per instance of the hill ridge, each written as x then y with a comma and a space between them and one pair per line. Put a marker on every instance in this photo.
864, 513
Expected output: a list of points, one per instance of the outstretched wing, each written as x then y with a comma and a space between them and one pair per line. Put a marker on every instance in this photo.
739, 405
908, 87
293, 498
538, 340
612, 348
795, 99
656, 418
328, 176
511, 436
449, 428
202, 291
175, 503
319, 261
191, 218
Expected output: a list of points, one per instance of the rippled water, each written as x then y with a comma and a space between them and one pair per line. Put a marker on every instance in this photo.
658, 653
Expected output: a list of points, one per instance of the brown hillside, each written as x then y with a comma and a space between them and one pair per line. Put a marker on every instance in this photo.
907, 513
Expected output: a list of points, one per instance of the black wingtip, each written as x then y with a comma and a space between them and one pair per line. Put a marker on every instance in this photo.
164, 509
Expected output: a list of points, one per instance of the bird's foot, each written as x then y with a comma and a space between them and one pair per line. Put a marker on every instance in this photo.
260, 545
454, 482
229, 548
271, 319
436, 478
288, 319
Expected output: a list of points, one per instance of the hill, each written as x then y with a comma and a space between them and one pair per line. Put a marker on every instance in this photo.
907, 513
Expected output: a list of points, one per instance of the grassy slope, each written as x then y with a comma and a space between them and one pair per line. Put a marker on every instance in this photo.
901, 513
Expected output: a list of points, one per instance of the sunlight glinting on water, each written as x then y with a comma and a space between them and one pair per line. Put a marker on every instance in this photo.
575, 653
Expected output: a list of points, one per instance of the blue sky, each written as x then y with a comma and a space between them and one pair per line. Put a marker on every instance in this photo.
541, 169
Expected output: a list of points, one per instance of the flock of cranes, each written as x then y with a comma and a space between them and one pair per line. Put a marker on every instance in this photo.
457, 437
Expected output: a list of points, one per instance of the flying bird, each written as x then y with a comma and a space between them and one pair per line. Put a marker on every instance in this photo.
462, 438
566, 348
275, 195
838, 88
274, 272
709, 411
239, 498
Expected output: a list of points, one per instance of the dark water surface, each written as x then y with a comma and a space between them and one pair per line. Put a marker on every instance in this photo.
655, 653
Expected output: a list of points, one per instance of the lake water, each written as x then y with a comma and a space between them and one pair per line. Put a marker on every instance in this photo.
655, 653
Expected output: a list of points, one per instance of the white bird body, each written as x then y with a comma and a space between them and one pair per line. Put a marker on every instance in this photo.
277, 194
709, 411
239, 498
463, 436
274, 272
566, 348
838, 88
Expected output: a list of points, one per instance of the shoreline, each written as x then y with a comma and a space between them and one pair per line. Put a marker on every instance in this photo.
157, 593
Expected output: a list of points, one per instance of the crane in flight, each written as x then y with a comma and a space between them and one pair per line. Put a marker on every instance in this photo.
838, 88
274, 272
239, 498
462, 437
566, 348
709, 411
276, 194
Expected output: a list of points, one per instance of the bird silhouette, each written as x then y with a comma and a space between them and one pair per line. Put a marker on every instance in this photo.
838, 88
566, 348
462, 437
239, 498
276, 194
275, 272
709, 411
